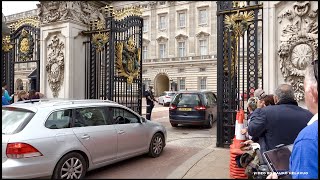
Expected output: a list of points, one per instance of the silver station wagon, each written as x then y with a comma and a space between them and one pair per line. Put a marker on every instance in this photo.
64, 139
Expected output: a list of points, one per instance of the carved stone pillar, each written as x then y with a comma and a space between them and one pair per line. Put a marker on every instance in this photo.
62, 51
290, 43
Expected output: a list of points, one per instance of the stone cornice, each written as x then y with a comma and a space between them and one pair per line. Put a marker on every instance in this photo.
81, 11
162, 39
144, 40
202, 34
181, 37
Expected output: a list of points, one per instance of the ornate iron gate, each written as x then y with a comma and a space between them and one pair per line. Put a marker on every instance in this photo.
113, 58
22, 46
239, 61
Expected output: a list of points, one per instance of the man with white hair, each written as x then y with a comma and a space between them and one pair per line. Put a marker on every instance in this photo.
304, 157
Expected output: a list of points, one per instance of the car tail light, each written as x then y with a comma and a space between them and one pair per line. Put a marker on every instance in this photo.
172, 107
167, 96
200, 108
21, 150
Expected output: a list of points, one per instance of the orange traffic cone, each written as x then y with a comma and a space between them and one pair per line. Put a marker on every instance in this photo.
235, 171
238, 137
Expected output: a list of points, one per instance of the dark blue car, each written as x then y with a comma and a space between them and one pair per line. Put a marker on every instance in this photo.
193, 108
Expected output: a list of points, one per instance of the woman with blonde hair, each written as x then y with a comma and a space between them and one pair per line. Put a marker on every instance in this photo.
22, 96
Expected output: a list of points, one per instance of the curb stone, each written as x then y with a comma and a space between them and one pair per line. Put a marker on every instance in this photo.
182, 170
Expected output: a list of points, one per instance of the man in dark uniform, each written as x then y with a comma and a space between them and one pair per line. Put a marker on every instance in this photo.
150, 102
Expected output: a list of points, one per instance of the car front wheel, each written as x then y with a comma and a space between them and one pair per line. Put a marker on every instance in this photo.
70, 166
156, 145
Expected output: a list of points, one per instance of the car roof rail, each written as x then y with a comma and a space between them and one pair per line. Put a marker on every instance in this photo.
29, 101
77, 101
60, 101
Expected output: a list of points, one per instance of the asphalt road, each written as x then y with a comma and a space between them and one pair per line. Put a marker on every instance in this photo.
182, 143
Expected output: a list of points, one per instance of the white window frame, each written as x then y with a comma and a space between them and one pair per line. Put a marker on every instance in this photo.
162, 52
205, 45
144, 52
182, 86
201, 21
145, 24
202, 83
180, 25
162, 22
181, 48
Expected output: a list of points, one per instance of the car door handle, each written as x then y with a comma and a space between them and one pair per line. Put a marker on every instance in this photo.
121, 132
85, 136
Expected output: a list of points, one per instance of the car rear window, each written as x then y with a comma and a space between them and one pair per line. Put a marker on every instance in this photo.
171, 94
186, 99
15, 119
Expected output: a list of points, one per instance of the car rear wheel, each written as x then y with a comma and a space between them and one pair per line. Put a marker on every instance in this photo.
174, 125
156, 145
210, 122
70, 166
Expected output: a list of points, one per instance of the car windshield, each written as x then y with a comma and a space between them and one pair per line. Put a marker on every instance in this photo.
14, 119
185, 99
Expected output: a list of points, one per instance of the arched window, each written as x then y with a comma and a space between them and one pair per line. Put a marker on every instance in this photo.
19, 84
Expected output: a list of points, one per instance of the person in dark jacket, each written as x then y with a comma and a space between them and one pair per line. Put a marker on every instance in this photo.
150, 102
281, 123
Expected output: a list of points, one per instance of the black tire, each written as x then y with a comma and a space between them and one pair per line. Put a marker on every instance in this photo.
156, 145
58, 173
210, 122
174, 125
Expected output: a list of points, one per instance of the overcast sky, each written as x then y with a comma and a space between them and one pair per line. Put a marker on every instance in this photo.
13, 7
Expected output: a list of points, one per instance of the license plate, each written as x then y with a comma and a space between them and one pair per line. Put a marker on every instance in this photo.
185, 109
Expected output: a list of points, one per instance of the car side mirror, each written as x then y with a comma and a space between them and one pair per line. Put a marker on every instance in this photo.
143, 120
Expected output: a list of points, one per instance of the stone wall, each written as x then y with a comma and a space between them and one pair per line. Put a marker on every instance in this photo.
290, 43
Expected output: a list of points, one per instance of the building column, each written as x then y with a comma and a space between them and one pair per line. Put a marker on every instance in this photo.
269, 48
62, 50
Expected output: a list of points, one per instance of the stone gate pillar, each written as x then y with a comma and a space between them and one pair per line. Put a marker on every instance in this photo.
290, 43
62, 57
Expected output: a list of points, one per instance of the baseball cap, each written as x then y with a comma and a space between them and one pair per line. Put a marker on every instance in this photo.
260, 94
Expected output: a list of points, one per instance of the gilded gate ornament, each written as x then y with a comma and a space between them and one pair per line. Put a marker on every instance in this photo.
126, 12
55, 65
6, 44
25, 45
31, 21
99, 40
128, 60
237, 24
298, 43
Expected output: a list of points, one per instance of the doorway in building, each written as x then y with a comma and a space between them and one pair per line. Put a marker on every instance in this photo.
161, 84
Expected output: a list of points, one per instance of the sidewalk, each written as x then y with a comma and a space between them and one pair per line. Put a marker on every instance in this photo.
210, 163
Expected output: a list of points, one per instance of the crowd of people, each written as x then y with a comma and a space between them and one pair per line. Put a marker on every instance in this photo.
278, 119
22, 95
